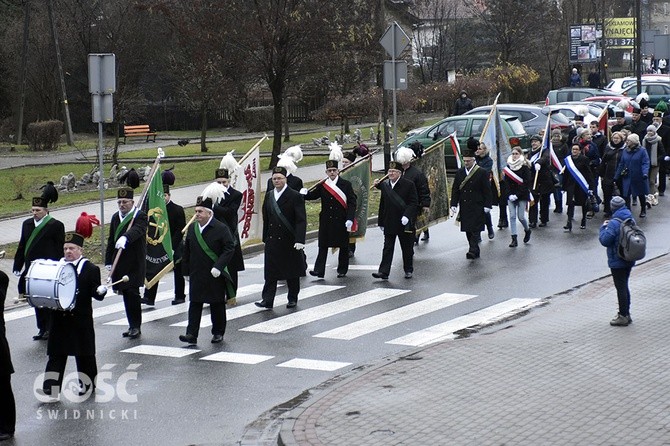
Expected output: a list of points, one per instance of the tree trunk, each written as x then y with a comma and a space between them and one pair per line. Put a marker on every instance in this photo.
277, 89
287, 137
203, 127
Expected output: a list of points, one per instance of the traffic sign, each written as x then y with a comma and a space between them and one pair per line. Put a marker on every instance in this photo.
400, 74
394, 40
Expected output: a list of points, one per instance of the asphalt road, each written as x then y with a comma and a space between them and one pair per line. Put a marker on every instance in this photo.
165, 393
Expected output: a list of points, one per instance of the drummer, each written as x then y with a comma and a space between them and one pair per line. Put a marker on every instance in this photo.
72, 331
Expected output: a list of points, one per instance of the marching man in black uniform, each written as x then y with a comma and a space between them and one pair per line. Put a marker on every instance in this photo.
7, 402
284, 232
128, 235
208, 249
225, 210
472, 192
336, 220
72, 332
398, 208
41, 238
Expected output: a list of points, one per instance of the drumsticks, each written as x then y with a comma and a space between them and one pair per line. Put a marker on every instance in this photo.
122, 279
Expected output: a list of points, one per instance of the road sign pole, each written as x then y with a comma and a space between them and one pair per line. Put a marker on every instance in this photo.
395, 101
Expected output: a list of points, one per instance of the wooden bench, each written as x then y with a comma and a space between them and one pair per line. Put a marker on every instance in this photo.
138, 130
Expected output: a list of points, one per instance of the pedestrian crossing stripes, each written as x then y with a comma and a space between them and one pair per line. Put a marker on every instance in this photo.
393, 317
313, 364
304, 317
159, 350
445, 331
238, 358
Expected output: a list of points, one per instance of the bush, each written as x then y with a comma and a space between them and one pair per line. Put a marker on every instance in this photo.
44, 135
258, 119
7, 130
408, 121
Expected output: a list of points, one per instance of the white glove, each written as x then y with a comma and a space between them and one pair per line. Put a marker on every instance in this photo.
108, 267
513, 198
215, 272
17, 273
487, 210
101, 290
299, 246
537, 166
121, 242
303, 191
454, 209
186, 278
404, 220
667, 158
348, 224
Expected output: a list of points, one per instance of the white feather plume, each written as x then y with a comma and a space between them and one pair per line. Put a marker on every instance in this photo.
295, 152
641, 96
214, 191
582, 110
404, 155
335, 151
287, 163
228, 162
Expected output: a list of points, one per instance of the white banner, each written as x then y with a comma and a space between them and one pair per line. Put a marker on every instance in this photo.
247, 179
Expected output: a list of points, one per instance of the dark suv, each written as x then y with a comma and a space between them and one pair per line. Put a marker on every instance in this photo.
568, 94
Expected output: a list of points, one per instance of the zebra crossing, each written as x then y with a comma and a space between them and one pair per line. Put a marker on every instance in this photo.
337, 301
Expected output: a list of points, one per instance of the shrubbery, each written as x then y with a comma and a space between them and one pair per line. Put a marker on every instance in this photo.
258, 119
44, 135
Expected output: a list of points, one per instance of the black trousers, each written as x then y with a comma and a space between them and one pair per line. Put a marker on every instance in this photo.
542, 201
87, 370
342, 259
179, 286
7, 405
620, 277
235, 278
131, 301
662, 174
270, 290
473, 241
406, 240
217, 312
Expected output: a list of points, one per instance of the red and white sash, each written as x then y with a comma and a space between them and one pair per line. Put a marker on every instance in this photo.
509, 173
336, 192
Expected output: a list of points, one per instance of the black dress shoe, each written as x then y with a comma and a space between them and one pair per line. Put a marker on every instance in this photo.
262, 304
178, 301
425, 237
134, 333
380, 276
408, 275
190, 339
340, 275
532, 225
5, 436
217, 339
291, 304
470, 255
315, 274
42, 335
146, 301
542, 225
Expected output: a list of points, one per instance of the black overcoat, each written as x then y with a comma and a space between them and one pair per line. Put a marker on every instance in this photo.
391, 211
134, 257
226, 211
177, 220
197, 265
570, 184
292, 181
72, 332
333, 216
416, 176
282, 260
47, 244
6, 367
473, 197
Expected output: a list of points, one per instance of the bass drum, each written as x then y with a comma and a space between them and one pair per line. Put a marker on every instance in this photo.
51, 284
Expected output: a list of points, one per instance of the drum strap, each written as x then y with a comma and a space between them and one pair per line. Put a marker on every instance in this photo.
80, 265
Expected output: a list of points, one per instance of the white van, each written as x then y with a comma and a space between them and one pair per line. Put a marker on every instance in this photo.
621, 83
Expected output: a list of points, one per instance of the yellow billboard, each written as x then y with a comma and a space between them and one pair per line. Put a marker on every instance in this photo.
620, 32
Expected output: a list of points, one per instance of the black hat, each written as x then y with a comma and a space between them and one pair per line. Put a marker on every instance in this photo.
221, 173
537, 137
125, 192
131, 178
472, 144
619, 114
204, 202
636, 107
280, 170
644, 103
579, 118
168, 177
351, 156
166, 188
658, 114
73, 237
467, 153
40, 202
49, 192
395, 165
331, 164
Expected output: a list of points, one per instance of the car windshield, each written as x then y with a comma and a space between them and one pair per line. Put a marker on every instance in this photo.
559, 118
516, 126
447, 128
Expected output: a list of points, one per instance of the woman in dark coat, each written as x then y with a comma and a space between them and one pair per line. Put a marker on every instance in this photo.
577, 176
544, 186
7, 403
517, 180
484, 160
610, 160
633, 171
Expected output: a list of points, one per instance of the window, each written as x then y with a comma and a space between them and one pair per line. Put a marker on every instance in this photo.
477, 127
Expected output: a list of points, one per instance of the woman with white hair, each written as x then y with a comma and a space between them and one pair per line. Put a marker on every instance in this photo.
633, 172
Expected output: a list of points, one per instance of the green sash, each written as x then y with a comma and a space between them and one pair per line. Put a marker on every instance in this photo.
212, 255
129, 216
393, 195
36, 231
277, 210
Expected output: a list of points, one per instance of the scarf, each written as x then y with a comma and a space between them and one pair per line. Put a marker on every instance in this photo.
515, 164
652, 139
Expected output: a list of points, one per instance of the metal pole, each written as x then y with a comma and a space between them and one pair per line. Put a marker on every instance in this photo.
66, 109
101, 186
638, 44
395, 115
24, 70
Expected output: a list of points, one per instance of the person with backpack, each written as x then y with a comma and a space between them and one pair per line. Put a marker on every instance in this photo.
620, 268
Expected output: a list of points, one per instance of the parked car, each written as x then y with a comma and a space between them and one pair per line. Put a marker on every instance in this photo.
616, 100
617, 85
655, 90
466, 126
531, 116
570, 110
573, 94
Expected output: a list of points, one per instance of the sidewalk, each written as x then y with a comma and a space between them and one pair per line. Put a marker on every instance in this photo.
559, 375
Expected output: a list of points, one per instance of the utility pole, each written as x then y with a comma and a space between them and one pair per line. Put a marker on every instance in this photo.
24, 69
638, 44
66, 109
381, 25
